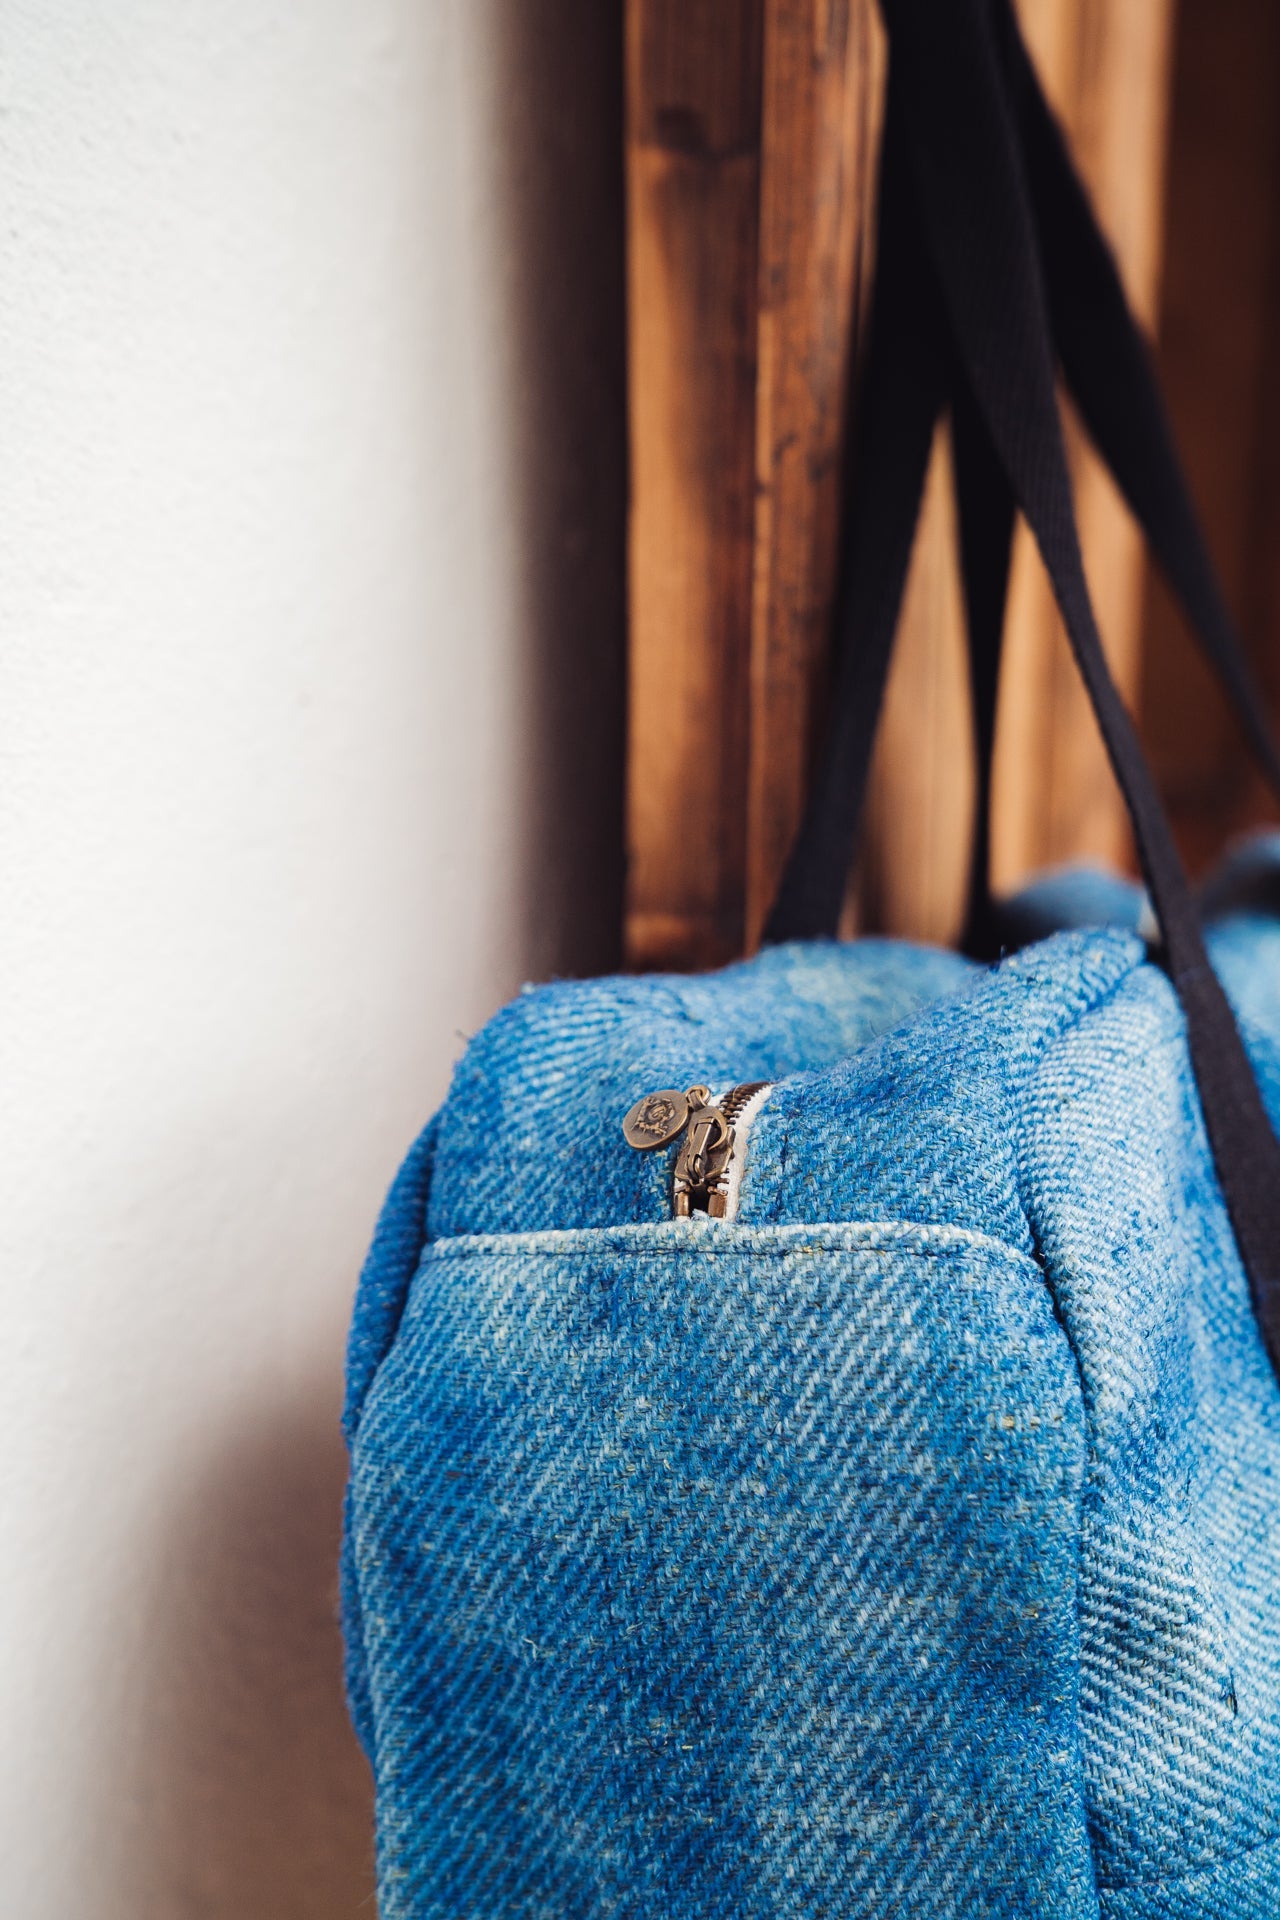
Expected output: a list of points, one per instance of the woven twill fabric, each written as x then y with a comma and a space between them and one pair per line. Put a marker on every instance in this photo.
909, 1544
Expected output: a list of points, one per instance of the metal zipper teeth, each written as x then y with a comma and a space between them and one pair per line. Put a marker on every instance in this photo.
737, 1098
745, 1102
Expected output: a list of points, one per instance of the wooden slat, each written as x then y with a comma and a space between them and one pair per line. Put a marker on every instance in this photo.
913, 870
750, 177
1220, 319
1105, 65
823, 87
751, 165
693, 185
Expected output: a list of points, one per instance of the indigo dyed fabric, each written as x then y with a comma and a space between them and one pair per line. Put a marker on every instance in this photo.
909, 1544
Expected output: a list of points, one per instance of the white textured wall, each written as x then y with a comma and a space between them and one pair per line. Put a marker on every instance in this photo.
309, 625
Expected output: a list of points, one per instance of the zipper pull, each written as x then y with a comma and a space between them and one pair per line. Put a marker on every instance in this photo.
701, 1162
706, 1158
660, 1118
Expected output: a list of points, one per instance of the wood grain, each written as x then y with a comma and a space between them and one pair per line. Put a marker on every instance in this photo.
1220, 324
693, 188
823, 90
750, 168
1104, 65
914, 864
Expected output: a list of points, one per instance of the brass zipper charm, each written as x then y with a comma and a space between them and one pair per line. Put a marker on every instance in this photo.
708, 1157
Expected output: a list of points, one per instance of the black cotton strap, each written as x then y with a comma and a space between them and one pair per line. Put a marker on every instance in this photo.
901, 397
1107, 367
961, 175
985, 504
965, 153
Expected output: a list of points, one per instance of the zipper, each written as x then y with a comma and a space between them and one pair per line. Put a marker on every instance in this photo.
708, 1169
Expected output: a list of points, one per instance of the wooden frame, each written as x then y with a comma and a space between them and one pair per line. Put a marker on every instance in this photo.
752, 131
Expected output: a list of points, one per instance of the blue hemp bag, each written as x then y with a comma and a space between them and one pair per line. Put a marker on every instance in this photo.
815, 1436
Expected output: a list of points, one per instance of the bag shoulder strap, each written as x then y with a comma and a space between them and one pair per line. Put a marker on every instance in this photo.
956, 175
1107, 366
902, 392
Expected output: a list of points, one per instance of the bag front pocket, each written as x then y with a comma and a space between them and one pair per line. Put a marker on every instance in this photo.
723, 1570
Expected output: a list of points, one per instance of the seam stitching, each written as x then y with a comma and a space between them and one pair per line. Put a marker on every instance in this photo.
676, 1241
1023, 1175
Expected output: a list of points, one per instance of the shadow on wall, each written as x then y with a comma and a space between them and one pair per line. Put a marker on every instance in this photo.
256, 1803
257, 1806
